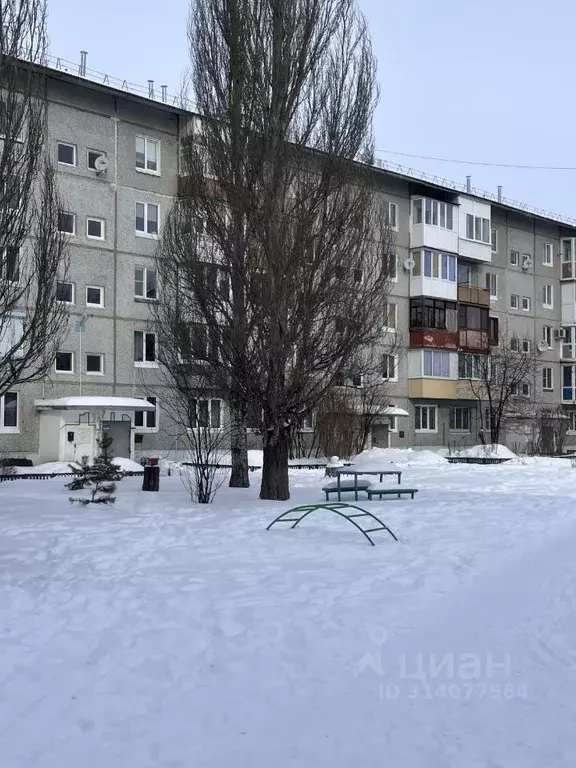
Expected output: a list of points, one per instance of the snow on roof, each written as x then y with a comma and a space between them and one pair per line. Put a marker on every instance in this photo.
95, 403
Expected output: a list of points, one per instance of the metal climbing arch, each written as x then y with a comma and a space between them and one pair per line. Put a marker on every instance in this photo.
299, 513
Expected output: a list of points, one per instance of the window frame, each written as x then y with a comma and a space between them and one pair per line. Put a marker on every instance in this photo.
209, 400
72, 363
394, 358
492, 282
145, 428
11, 430
72, 302
453, 411
103, 228
392, 215
550, 371
145, 169
64, 231
548, 336
548, 251
514, 258
514, 301
144, 281
390, 310
14, 277
431, 354
494, 240
144, 232
547, 287
526, 300
429, 409
75, 152
525, 386
94, 288
94, 373
145, 363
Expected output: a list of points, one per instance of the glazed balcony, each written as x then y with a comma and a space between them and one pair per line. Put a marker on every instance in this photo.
439, 339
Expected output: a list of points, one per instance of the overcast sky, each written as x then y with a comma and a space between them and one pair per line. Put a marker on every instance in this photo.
490, 82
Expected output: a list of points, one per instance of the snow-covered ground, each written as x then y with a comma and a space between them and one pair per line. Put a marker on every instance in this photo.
158, 634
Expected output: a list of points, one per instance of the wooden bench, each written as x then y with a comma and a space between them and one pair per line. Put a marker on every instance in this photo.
345, 486
387, 489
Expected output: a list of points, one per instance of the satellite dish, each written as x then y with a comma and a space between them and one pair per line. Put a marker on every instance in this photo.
409, 263
101, 164
542, 346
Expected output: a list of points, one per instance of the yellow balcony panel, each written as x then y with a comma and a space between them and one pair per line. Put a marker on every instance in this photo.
465, 390
433, 389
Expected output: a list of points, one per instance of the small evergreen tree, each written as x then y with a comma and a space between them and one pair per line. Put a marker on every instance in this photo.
100, 477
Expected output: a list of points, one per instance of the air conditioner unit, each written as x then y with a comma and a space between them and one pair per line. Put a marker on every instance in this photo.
526, 263
560, 334
409, 264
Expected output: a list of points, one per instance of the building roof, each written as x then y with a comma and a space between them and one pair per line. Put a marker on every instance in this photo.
68, 71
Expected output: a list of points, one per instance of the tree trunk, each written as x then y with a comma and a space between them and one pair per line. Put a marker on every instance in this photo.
238, 448
275, 485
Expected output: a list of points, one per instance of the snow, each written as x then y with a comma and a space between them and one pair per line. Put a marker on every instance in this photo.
96, 402
127, 465
489, 451
401, 456
49, 468
160, 634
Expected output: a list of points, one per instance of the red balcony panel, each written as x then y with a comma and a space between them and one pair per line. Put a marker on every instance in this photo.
438, 339
473, 340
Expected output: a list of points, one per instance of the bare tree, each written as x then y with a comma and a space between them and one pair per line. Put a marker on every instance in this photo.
285, 217
33, 254
502, 382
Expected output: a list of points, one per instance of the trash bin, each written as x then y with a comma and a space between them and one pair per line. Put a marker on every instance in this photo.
151, 481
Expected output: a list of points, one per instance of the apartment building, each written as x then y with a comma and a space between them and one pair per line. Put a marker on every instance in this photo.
465, 266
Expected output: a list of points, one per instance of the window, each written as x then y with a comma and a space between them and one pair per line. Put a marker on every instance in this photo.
548, 297
515, 344
144, 348
492, 284
95, 229
437, 363
547, 379
526, 303
417, 211
10, 265
357, 379
147, 219
526, 346
66, 154
471, 366
95, 365
94, 296
477, 229
9, 412
572, 417
92, 156
147, 155
390, 267
390, 316
433, 313
65, 293
514, 301
459, 419
493, 331
207, 414
392, 214
514, 258
514, 388
436, 214
525, 390
425, 418
147, 419
547, 335
472, 318
389, 368
548, 255
64, 362
145, 283
67, 222
440, 265
494, 240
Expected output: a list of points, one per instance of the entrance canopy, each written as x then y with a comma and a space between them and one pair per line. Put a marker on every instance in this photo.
94, 403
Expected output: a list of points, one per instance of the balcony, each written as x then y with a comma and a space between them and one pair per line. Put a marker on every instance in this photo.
473, 340
433, 389
420, 337
473, 294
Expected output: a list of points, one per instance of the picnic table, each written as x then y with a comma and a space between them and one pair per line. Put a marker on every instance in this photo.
366, 468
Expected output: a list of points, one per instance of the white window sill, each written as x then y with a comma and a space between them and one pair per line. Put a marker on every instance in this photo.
67, 165
95, 306
426, 431
459, 431
547, 265
547, 306
145, 430
144, 300
389, 381
147, 171
145, 364
146, 236
64, 373
93, 237
9, 430
93, 373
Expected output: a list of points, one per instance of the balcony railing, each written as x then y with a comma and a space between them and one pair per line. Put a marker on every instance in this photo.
433, 338
474, 340
473, 294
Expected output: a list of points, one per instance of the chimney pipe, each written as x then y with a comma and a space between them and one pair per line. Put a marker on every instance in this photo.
468, 183
150, 89
500, 193
164, 93
82, 68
